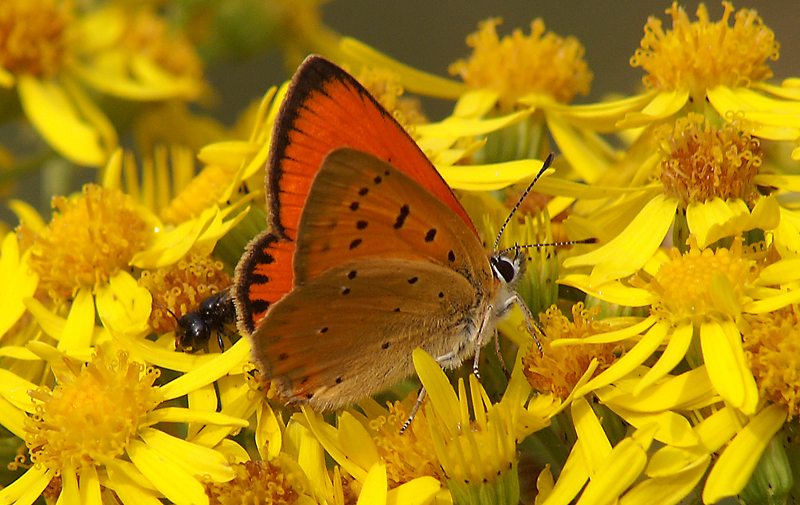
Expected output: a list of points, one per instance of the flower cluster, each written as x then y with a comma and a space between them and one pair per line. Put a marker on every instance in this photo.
662, 269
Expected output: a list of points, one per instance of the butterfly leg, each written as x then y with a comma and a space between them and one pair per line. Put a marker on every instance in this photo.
500, 355
530, 322
219, 341
420, 397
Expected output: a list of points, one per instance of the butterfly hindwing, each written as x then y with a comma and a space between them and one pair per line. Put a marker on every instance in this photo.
350, 332
362, 207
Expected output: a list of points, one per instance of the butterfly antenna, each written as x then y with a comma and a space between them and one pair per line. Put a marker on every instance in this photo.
518, 247
545, 166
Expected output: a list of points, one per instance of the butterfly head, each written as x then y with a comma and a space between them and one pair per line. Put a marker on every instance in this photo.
508, 266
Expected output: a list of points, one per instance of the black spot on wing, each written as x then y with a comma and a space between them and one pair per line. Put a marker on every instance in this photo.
401, 217
430, 235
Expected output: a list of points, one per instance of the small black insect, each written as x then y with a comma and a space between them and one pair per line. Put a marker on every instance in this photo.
194, 329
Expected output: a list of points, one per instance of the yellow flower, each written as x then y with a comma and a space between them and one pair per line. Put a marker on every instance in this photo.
696, 300
49, 55
478, 452
517, 65
709, 176
96, 426
558, 370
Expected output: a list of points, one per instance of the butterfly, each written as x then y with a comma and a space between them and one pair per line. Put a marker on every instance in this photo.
368, 254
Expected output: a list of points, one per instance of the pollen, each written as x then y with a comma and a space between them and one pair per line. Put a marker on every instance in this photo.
702, 55
386, 87
255, 482
91, 415
90, 237
772, 351
33, 36
148, 34
558, 369
181, 287
408, 455
518, 65
704, 283
702, 161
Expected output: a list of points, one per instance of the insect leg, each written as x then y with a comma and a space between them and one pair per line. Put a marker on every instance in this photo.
530, 322
420, 397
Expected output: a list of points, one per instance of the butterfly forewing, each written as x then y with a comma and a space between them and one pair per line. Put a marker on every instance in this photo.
362, 207
325, 109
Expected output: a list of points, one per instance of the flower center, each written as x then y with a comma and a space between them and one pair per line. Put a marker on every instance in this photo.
33, 36
518, 65
148, 34
558, 369
182, 287
91, 237
703, 161
408, 455
700, 283
91, 415
701, 55
772, 349
255, 482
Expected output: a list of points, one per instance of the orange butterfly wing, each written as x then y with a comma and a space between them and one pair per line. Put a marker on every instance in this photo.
325, 109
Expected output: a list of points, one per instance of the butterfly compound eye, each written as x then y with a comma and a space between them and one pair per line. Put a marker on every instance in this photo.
503, 268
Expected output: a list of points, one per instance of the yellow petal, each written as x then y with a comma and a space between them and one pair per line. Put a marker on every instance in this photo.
672, 428
676, 349
128, 487
621, 469
28, 487
573, 476
489, 177
787, 235
193, 458
673, 393
120, 84
612, 292
664, 104
454, 127
176, 484
475, 103
375, 487
13, 419
269, 436
18, 281
414, 81
766, 117
15, 390
666, 490
211, 370
438, 388
596, 446
419, 491
186, 416
715, 219
352, 434
772, 303
611, 336
90, 486
724, 358
326, 434
582, 157
52, 113
27, 215
79, 328
736, 464
630, 360
631, 249
124, 306
600, 117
